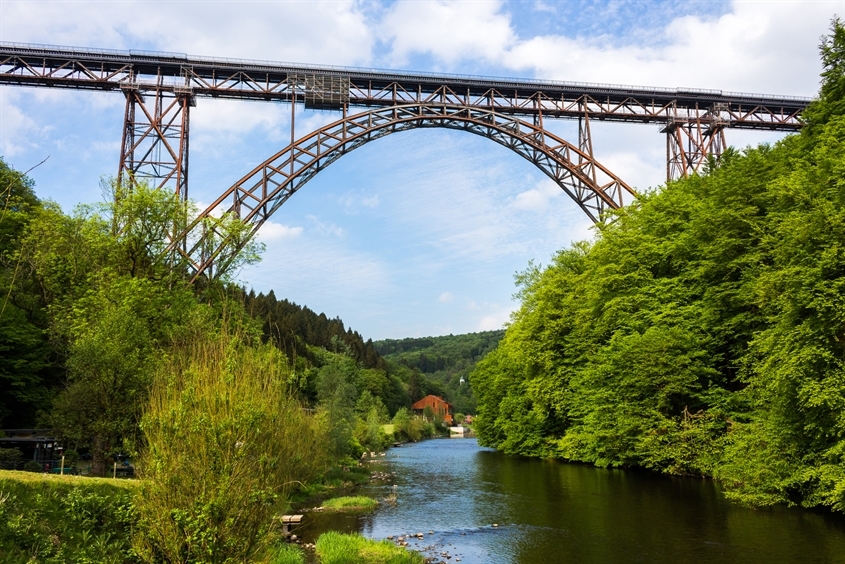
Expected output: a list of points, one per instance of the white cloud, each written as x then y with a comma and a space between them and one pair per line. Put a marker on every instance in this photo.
370, 201
538, 198
272, 231
446, 298
451, 31
326, 228
317, 32
16, 128
758, 46
496, 318
353, 201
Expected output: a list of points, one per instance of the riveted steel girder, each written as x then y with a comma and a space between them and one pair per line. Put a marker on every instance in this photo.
259, 194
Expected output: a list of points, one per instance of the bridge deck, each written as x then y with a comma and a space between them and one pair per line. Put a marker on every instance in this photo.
330, 87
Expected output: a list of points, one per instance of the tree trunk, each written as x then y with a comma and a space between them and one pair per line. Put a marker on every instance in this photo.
98, 456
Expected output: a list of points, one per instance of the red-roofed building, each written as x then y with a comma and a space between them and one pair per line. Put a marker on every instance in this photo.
438, 405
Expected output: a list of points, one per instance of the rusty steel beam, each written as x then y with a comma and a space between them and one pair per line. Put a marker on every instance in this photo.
333, 87
155, 140
259, 194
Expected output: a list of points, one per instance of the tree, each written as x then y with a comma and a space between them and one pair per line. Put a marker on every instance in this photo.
337, 395
114, 335
225, 445
28, 371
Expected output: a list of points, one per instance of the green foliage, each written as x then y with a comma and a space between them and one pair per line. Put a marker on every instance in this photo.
28, 372
351, 503
338, 548
226, 444
337, 394
295, 328
409, 427
701, 332
54, 520
443, 361
11, 458
288, 554
32, 466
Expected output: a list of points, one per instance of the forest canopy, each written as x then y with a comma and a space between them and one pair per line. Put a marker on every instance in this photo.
702, 331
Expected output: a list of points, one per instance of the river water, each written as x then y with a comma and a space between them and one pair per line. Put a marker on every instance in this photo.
556, 512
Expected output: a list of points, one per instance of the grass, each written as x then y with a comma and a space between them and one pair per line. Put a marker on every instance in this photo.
22, 477
53, 519
339, 548
350, 503
289, 554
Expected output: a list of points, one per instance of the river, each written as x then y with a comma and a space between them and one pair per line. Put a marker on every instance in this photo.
556, 512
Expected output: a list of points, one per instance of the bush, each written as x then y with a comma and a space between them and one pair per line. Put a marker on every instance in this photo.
225, 445
338, 548
10, 458
32, 466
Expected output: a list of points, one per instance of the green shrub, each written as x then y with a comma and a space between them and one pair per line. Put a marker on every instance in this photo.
32, 466
225, 445
338, 548
10, 458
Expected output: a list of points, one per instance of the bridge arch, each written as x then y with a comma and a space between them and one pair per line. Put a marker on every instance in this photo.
261, 192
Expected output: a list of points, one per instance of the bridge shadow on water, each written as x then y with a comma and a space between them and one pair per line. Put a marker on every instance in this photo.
454, 492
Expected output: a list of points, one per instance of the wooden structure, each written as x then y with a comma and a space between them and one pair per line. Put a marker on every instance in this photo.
438, 405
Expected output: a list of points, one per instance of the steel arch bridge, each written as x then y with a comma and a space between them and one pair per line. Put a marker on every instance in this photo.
160, 89
256, 196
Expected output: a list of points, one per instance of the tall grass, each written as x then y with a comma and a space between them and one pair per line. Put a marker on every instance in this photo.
225, 444
57, 519
339, 548
351, 503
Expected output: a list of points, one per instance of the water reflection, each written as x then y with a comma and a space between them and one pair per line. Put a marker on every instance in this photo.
554, 512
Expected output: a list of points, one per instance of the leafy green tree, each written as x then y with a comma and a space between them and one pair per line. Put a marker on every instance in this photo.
701, 332
114, 335
28, 369
225, 445
337, 395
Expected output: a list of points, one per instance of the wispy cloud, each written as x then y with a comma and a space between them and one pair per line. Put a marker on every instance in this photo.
272, 231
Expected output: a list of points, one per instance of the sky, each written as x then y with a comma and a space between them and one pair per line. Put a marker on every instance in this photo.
418, 233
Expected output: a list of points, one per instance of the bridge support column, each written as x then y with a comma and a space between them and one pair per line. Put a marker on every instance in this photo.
691, 143
155, 140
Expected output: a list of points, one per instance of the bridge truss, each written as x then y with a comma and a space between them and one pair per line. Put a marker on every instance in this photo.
160, 89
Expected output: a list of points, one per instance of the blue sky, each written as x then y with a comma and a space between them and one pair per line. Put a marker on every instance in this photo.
418, 233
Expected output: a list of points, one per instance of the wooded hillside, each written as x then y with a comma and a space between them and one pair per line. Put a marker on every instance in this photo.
702, 331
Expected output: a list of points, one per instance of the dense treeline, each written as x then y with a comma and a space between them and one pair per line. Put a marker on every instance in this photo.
92, 304
444, 360
294, 327
702, 331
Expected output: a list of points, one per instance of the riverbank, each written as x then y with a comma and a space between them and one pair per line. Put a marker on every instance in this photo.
454, 492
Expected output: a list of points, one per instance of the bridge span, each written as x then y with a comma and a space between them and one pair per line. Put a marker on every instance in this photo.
160, 88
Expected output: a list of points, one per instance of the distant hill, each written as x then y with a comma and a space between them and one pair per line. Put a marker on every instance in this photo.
444, 359
293, 327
